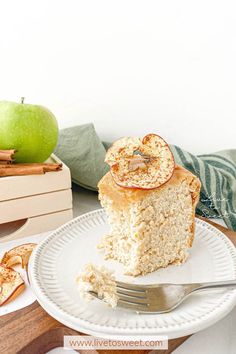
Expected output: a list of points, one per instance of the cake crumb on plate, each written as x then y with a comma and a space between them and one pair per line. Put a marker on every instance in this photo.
100, 280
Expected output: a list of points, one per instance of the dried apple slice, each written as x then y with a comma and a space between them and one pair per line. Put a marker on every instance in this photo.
18, 255
122, 148
141, 164
11, 284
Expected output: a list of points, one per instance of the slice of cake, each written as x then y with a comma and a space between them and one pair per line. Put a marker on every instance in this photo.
150, 228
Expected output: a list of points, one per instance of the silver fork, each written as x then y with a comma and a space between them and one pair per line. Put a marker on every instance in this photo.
160, 298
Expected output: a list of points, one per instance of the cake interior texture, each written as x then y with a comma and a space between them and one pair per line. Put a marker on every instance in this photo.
150, 229
99, 280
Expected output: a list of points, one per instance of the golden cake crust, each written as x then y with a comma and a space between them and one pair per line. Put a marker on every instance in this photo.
122, 197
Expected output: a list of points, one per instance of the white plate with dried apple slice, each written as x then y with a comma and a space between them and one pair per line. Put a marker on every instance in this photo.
13, 277
58, 260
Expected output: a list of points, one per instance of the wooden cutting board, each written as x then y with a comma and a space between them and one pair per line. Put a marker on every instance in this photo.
32, 331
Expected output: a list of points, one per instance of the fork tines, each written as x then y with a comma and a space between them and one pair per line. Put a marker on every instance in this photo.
131, 295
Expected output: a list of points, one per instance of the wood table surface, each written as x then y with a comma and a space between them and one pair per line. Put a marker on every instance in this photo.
32, 331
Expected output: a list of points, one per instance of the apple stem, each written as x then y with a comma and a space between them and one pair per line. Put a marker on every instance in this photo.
22, 100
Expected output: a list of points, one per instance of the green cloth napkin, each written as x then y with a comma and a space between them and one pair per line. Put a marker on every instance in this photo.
83, 152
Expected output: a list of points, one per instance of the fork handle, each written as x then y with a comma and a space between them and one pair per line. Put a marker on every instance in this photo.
230, 284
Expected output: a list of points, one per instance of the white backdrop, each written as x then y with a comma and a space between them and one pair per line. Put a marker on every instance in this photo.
131, 67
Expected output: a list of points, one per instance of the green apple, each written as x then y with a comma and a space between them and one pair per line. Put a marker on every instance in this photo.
30, 129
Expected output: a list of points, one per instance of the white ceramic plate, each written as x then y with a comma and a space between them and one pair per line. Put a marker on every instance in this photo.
57, 261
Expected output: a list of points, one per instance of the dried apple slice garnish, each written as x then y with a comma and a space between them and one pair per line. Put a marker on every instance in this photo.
18, 255
122, 148
11, 284
141, 164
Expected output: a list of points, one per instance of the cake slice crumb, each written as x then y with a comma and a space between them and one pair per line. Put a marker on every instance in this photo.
100, 280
